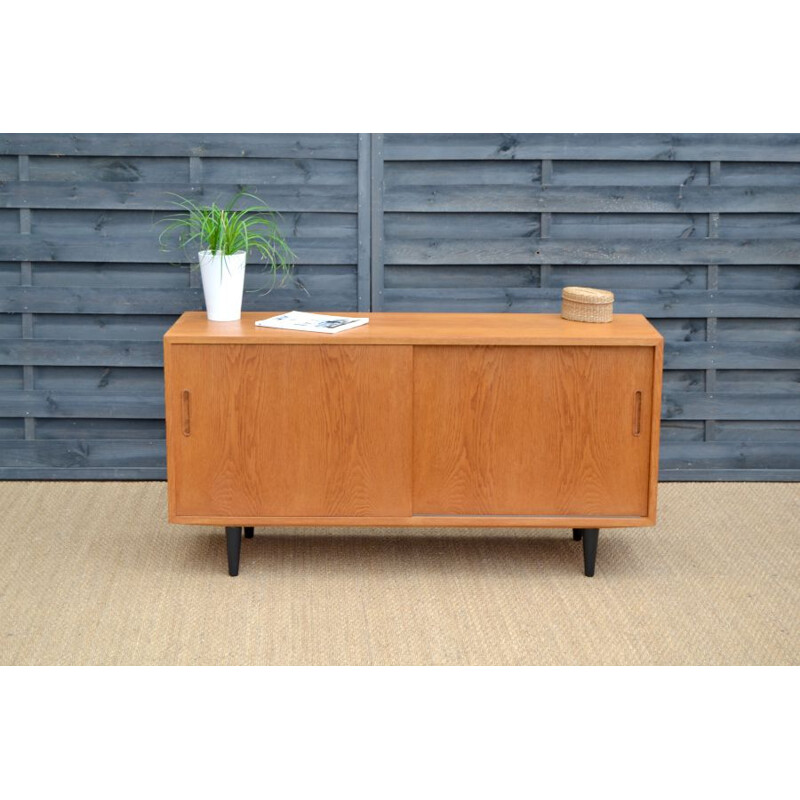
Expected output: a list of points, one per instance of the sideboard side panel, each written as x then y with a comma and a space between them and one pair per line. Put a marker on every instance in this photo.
655, 428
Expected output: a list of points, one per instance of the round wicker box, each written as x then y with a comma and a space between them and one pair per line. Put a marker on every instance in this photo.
586, 305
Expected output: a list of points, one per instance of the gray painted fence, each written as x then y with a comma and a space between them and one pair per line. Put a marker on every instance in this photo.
699, 232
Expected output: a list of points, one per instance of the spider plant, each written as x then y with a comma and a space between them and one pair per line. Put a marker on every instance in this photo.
225, 231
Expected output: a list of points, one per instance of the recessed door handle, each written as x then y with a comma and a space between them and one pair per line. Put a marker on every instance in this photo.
637, 413
185, 412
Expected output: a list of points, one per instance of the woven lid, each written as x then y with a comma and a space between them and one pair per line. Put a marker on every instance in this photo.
581, 294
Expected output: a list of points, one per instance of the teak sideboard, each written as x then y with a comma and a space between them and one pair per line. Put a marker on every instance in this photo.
495, 420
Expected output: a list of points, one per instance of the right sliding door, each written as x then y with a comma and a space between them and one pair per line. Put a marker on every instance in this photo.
546, 430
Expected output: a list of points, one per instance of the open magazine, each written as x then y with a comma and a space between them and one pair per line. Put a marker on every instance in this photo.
316, 323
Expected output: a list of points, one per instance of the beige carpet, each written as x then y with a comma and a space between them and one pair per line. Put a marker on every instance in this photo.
91, 573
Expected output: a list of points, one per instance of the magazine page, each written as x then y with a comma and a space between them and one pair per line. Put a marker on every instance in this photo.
315, 323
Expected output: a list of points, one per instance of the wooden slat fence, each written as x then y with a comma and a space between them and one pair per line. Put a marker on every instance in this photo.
700, 232
86, 293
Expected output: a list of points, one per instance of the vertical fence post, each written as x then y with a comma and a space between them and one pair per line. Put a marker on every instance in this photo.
377, 245
545, 218
364, 219
26, 279
712, 283
195, 179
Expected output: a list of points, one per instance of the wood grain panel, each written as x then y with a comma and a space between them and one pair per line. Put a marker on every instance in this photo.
534, 430
288, 431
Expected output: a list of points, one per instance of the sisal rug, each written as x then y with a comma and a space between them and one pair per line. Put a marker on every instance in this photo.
91, 573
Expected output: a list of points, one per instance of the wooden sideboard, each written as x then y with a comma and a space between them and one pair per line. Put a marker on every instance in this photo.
492, 420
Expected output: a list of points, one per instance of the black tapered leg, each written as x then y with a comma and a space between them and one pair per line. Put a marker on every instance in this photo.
576, 534
589, 536
249, 533
234, 537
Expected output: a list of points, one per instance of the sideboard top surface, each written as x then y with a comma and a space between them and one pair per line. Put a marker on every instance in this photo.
384, 328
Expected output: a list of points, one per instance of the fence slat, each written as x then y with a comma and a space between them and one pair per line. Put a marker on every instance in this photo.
145, 249
729, 455
592, 199
586, 251
94, 405
240, 145
158, 197
657, 303
297, 293
725, 406
52, 352
594, 146
81, 453
728, 475
73, 473
732, 355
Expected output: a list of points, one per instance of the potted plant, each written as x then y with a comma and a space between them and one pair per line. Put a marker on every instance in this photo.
225, 237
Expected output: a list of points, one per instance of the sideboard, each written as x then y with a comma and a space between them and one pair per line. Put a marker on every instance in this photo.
452, 420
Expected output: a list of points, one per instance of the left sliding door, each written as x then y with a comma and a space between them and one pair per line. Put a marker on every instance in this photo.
288, 430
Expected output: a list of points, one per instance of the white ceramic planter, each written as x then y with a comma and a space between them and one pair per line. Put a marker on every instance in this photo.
223, 284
